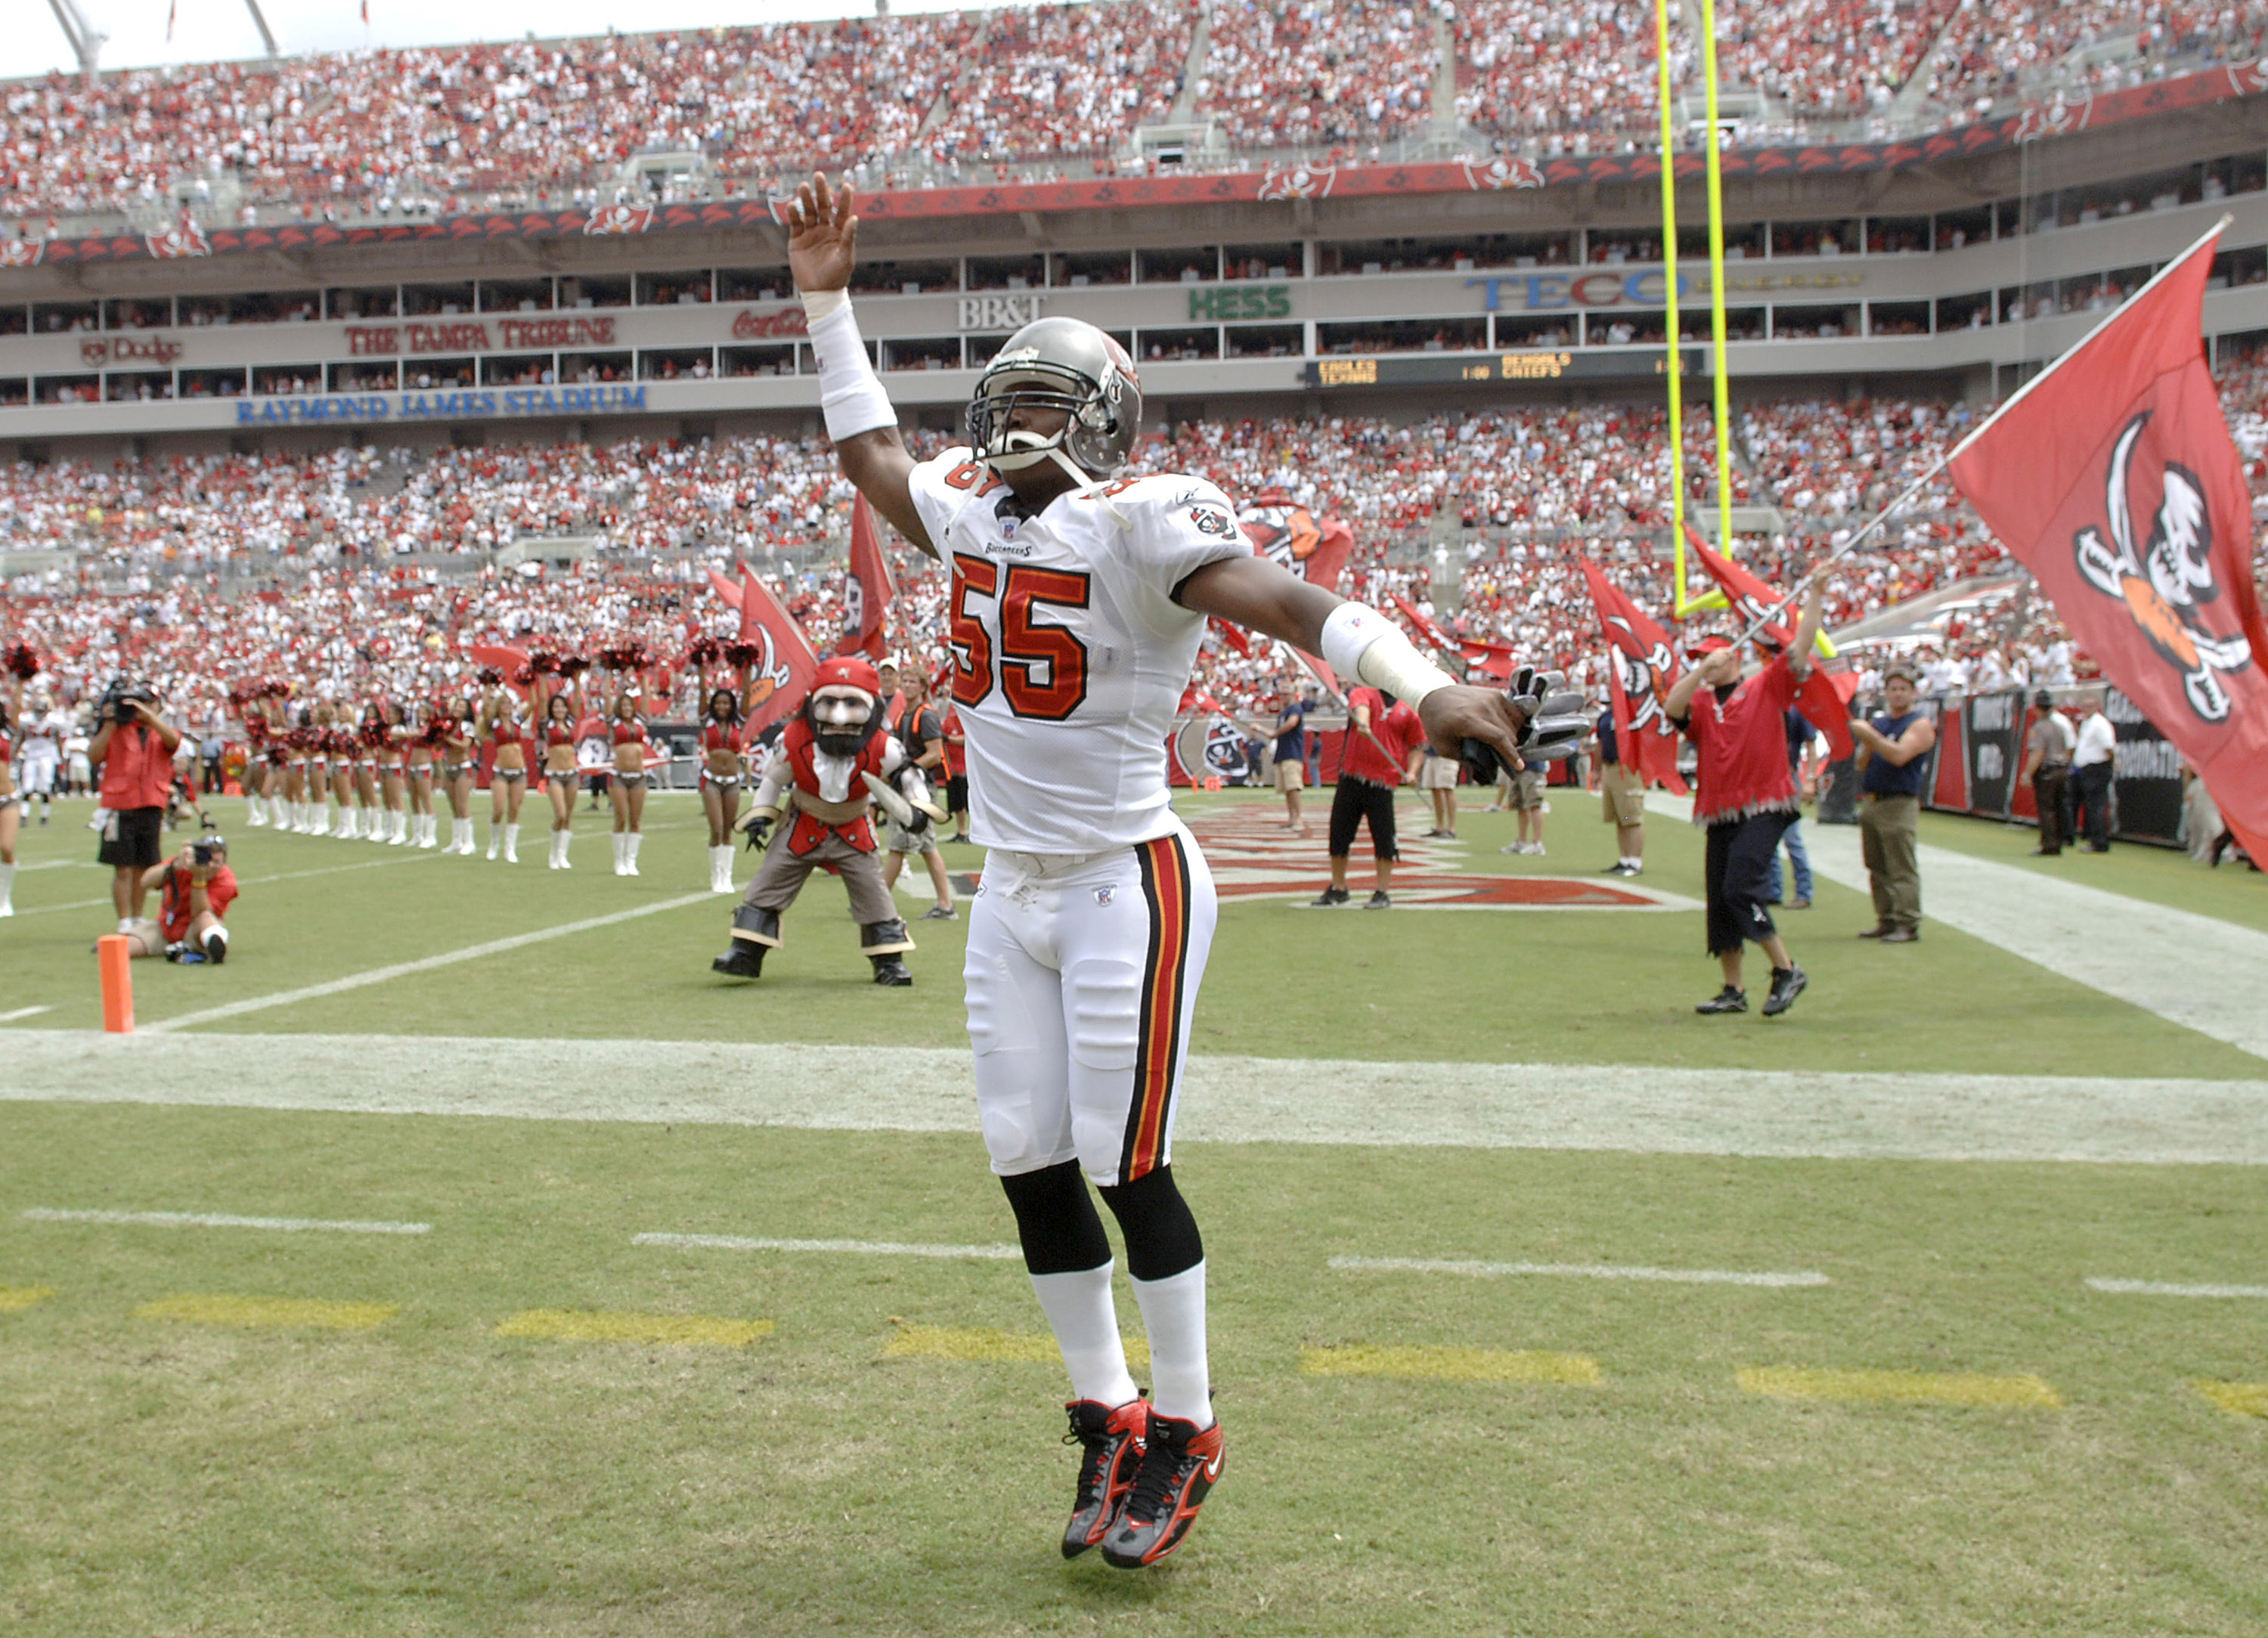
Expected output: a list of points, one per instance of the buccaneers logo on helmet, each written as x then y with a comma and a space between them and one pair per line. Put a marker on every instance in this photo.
2167, 580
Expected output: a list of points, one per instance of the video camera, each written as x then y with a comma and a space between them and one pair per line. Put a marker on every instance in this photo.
118, 700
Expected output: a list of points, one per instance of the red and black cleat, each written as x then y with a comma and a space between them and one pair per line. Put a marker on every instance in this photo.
1112, 1442
1179, 1464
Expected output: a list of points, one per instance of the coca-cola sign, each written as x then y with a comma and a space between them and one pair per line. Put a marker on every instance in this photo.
748, 325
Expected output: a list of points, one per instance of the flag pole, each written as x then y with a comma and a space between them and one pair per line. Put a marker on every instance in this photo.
1882, 516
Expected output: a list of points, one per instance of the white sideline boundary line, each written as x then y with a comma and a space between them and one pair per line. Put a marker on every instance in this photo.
1584, 1271
23, 1012
1760, 1113
404, 969
220, 1219
868, 1248
2159, 1288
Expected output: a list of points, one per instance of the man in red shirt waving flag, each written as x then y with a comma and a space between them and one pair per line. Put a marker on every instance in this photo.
2112, 478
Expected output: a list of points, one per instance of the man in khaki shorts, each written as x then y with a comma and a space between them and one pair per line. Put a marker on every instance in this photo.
1292, 757
1622, 794
1436, 777
1526, 798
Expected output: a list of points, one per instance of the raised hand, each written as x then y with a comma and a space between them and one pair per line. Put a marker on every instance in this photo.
822, 240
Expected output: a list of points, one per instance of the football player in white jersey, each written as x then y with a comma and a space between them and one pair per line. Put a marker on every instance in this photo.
1078, 599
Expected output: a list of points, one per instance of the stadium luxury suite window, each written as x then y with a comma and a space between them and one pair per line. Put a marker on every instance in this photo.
67, 389
1402, 335
1897, 235
1264, 262
1535, 332
139, 313
591, 369
276, 307
15, 319
1179, 264
1264, 340
212, 383
1168, 346
59, 318
753, 284
977, 351
438, 301
591, 290
517, 369
2247, 266
1625, 329
1743, 241
126, 386
1077, 269
673, 290
15, 390
1615, 247
746, 361
1460, 255
1811, 324
427, 375
364, 377
381, 301
287, 380
1972, 312
1742, 324
921, 352
515, 295
1956, 230
1006, 273
904, 278
1815, 238
1897, 318
676, 364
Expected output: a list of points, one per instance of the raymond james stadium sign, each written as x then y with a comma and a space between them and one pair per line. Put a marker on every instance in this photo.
519, 400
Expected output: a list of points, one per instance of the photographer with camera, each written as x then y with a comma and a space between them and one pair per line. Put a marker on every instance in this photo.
194, 888
134, 747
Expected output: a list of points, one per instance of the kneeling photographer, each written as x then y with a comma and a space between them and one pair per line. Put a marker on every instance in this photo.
194, 888
133, 747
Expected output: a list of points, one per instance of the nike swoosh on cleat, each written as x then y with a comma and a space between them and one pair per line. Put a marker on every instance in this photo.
1212, 1470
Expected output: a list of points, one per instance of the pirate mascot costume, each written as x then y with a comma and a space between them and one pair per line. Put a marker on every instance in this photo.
836, 758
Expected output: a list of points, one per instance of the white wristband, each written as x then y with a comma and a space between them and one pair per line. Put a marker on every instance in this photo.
850, 393
1360, 642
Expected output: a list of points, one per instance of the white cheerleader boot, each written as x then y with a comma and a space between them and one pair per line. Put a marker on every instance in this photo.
461, 836
621, 854
511, 844
720, 870
7, 890
496, 839
398, 828
630, 850
254, 814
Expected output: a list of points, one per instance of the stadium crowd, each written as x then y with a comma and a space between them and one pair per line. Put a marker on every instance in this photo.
445, 129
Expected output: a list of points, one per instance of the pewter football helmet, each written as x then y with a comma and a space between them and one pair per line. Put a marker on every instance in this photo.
1066, 365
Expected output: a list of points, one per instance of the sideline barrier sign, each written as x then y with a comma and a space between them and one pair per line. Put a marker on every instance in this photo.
1977, 766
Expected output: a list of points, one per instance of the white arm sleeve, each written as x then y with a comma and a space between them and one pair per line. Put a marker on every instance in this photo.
1359, 642
850, 395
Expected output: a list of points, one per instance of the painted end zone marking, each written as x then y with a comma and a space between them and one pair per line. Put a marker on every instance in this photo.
992, 1347
2155, 1288
1584, 1271
1903, 1387
1450, 1364
269, 1313
561, 1324
223, 1220
2238, 1399
16, 1297
865, 1248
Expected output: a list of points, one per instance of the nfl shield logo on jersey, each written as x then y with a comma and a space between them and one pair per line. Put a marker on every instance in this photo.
1104, 895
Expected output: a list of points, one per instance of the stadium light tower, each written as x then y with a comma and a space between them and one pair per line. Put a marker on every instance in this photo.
85, 39
260, 22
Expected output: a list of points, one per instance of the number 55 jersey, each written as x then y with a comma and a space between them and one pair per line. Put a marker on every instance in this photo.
1070, 654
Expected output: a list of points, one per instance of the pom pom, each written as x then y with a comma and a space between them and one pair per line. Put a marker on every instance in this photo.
742, 654
544, 662
490, 676
704, 652
22, 663
573, 665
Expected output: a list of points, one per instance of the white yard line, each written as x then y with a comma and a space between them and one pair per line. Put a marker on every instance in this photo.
23, 1012
864, 1248
1791, 1113
1582, 1271
2197, 971
403, 969
248, 881
222, 1220
2156, 1287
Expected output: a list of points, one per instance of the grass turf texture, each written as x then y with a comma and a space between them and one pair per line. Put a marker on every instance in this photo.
430, 1476
1525, 986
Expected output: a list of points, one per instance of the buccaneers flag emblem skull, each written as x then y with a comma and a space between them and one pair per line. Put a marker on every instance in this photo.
2167, 580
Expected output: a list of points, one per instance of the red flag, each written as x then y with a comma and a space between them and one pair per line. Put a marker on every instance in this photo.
867, 590
1424, 626
1824, 697
1646, 665
507, 658
725, 589
1315, 549
784, 666
2112, 476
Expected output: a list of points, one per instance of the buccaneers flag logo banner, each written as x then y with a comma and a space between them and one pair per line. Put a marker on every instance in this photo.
867, 591
2112, 477
1824, 697
1315, 549
782, 672
1645, 666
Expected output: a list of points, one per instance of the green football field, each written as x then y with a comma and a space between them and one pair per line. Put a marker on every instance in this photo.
439, 1383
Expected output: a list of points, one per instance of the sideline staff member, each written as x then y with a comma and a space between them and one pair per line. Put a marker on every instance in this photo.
1891, 749
134, 748
194, 888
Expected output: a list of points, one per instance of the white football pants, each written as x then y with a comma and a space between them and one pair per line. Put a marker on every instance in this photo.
1082, 977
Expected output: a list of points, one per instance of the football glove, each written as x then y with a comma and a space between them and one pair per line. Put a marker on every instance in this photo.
1557, 725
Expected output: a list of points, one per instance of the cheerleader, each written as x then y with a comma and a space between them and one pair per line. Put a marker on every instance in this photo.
626, 789
508, 777
370, 741
323, 771
721, 772
298, 740
392, 760
20, 665
417, 770
453, 728
561, 712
